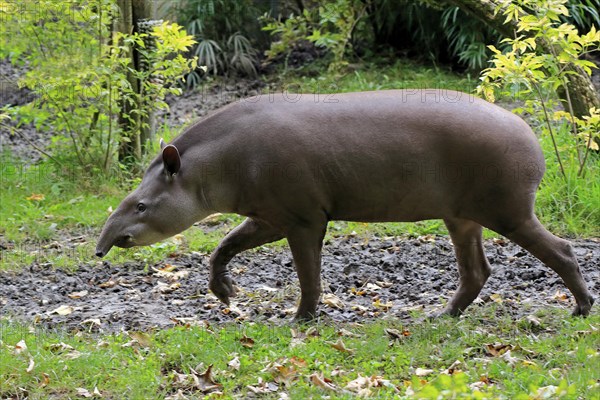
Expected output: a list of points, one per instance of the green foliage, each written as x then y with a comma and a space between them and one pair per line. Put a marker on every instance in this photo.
227, 33
583, 14
161, 52
431, 29
79, 73
329, 26
525, 72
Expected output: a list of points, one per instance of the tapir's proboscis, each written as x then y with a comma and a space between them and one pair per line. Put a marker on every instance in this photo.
291, 163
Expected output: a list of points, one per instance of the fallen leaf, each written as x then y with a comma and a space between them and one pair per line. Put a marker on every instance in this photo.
453, 369
396, 334
263, 387
108, 284
45, 380
427, 238
81, 392
285, 374
31, 365
78, 295
381, 305
247, 342
423, 372
142, 338
339, 345
36, 197
534, 321
509, 358
20, 347
203, 382
546, 392
91, 322
234, 364
496, 298
560, 296
165, 288
63, 310
362, 385
345, 332
298, 362
331, 300
322, 382
497, 349
59, 347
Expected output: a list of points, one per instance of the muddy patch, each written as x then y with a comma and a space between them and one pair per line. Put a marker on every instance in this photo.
363, 279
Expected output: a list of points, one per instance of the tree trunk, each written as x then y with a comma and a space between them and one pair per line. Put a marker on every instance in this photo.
132, 11
581, 89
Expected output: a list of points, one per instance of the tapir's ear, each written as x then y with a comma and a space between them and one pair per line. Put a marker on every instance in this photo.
171, 159
162, 143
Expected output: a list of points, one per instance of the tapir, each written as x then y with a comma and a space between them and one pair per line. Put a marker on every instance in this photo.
292, 162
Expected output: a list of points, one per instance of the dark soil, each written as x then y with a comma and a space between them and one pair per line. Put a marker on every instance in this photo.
372, 278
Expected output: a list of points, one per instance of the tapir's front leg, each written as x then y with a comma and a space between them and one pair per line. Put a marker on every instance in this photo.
306, 243
247, 235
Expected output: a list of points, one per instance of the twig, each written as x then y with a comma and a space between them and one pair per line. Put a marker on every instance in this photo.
562, 169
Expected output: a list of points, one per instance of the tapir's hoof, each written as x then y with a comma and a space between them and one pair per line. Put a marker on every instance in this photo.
446, 312
305, 315
222, 287
583, 310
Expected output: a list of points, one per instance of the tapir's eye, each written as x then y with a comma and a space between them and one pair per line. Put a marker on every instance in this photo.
141, 207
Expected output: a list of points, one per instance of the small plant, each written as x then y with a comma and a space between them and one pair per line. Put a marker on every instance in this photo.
329, 26
525, 71
227, 32
80, 71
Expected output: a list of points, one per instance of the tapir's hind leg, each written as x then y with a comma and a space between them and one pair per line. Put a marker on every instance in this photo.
247, 235
473, 266
557, 254
306, 243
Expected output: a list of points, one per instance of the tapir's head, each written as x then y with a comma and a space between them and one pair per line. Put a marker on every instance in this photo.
163, 205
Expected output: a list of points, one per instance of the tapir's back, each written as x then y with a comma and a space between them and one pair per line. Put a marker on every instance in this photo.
375, 156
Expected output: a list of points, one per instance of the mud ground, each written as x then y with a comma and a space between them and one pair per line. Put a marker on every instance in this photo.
363, 279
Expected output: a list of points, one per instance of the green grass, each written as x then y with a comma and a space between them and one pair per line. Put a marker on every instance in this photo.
560, 352
398, 74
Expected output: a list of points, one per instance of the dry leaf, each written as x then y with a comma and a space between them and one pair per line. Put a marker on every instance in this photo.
381, 305
263, 387
59, 347
497, 349
339, 345
45, 380
534, 321
20, 347
81, 392
345, 332
298, 362
453, 369
108, 284
333, 301
78, 295
560, 296
142, 338
247, 342
322, 382
31, 365
63, 310
396, 334
423, 372
234, 364
496, 298
36, 197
